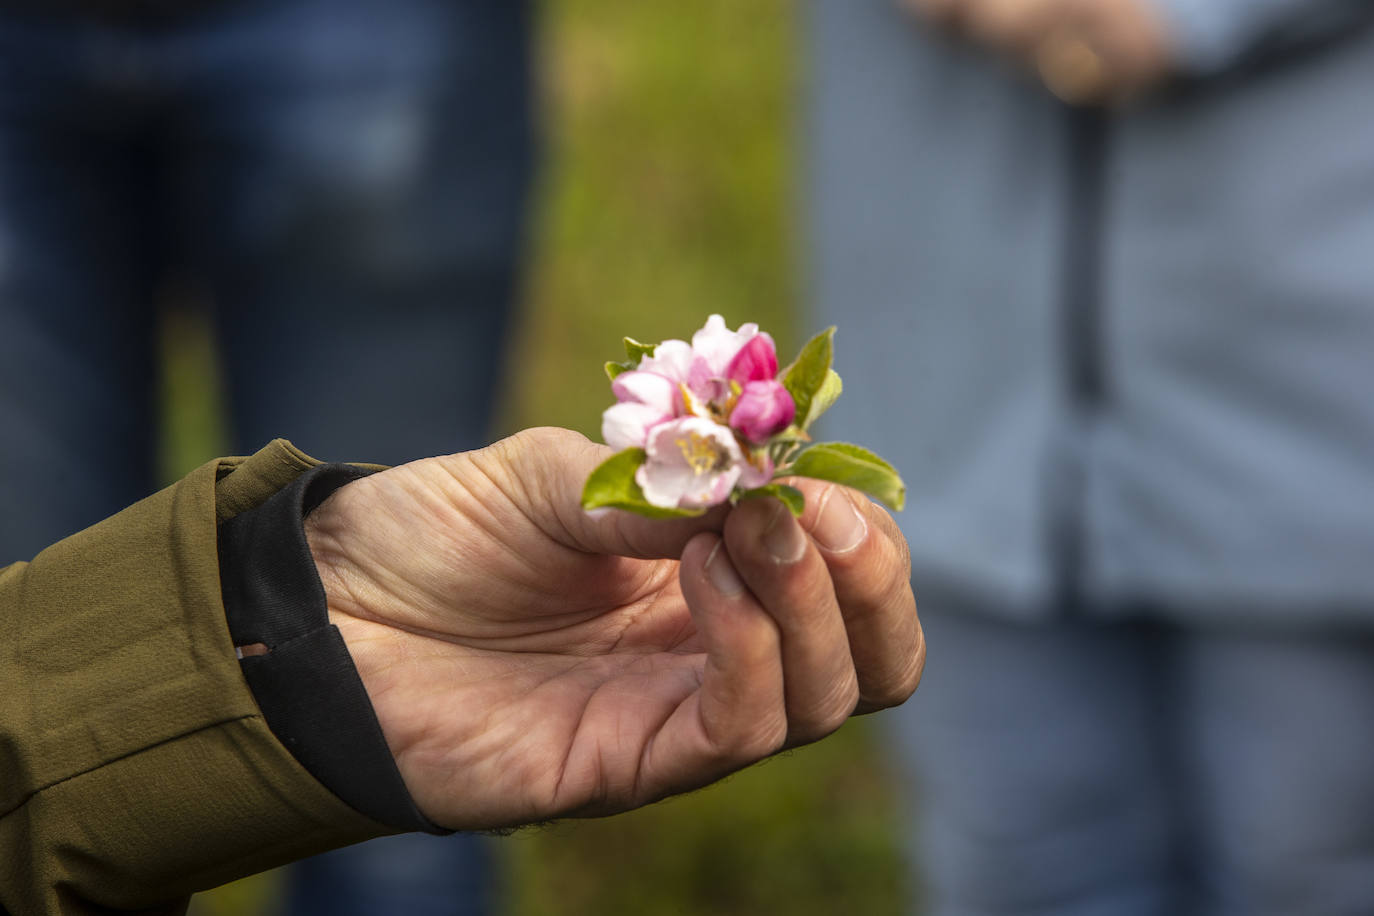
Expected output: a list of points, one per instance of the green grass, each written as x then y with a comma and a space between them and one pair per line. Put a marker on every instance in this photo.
809, 833
667, 195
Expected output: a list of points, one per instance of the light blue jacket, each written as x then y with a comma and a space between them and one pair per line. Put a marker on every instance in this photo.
1122, 357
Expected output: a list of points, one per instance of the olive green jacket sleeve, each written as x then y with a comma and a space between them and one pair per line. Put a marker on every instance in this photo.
135, 767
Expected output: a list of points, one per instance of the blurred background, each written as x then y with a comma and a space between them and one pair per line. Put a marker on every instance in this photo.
1104, 273
667, 192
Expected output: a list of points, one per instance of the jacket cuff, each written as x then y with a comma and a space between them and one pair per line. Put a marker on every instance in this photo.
137, 766
305, 682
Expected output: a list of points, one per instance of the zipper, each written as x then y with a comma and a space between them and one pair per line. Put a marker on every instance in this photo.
1081, 342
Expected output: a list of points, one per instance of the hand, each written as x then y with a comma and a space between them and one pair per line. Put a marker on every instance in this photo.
529, 660
1085, 51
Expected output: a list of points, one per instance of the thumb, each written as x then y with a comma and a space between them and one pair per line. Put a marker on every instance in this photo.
552, 465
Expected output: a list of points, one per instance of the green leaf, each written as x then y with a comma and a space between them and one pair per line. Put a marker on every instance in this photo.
822, 400
637, 351
612, 486
790, 497
854, 467
809, 372
613, 369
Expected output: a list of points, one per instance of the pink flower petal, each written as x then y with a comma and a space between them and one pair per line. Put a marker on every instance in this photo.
763, 410
647, 388
756, 361
751, 476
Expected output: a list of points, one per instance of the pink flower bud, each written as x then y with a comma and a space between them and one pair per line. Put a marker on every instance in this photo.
756, 361
764, 409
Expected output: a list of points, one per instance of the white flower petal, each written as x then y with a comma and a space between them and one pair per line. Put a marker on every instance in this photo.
627, 425
672, 359
691, 462
717, 344
664, 485
713, 490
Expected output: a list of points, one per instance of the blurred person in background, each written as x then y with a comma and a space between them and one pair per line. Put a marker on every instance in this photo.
1112, 266
344, 181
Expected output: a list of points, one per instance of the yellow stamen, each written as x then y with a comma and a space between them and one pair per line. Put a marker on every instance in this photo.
730, 402
703, 453
689, 403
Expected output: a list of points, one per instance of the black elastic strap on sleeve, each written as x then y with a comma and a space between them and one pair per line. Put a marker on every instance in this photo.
306, 684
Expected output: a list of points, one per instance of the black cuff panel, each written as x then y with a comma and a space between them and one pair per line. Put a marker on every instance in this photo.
306, 684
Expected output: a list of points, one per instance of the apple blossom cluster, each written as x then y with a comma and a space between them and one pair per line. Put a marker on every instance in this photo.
714, 420
704, 413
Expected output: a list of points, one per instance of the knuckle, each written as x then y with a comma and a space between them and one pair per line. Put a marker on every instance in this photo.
843, 708
898, 687
768, 740
828, 714
750, 742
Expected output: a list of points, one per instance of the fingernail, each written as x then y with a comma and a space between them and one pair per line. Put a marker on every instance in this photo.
783, 538
839, 526
722, 573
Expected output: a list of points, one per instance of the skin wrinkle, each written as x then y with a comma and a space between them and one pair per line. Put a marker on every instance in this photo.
651, 600
497, 644
602, 799
344, 571
876, 611
550, 492
720, 743
547, 493
558, 534
555, 669
690, 666
842, 703
394, 589
637, 789
900, 684
650, 579
686, 639
401, 656
549, 669
488, 523
566, 763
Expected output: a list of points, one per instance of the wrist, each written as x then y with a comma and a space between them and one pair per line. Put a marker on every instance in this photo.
307, 683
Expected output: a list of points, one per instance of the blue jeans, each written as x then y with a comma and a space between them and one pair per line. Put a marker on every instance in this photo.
1141, 769
396, 876
342, 180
